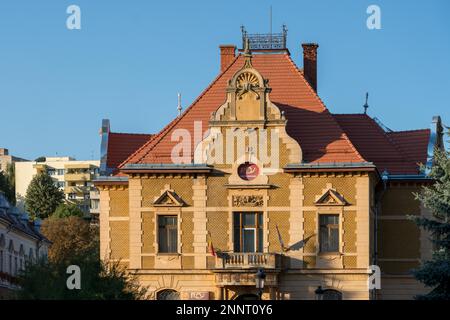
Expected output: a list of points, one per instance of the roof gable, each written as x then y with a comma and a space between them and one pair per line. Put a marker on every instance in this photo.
309, 121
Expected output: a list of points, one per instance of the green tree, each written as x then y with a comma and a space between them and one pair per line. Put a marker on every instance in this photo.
42, 197
7, 188
40, 159
75, 242
436, 272
45, 280
65, 210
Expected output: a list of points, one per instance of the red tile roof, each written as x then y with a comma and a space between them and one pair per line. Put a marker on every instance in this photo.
121, 145
309, 121
397, 152
323, 137
413, 144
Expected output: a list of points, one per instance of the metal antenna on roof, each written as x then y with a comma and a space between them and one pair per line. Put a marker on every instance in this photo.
179, 108
366, 105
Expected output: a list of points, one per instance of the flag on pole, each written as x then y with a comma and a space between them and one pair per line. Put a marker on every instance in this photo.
210, 246
281, 239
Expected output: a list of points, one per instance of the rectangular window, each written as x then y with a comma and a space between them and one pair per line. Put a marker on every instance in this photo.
1, 260
329, 232
60, 172
248, 232
168, 234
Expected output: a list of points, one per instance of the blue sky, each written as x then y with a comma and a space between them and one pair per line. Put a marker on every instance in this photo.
130, 59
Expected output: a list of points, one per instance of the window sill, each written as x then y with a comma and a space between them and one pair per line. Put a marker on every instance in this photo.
328, 254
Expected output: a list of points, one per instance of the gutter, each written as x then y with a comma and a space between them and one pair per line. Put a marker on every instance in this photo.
330, 166
166, 168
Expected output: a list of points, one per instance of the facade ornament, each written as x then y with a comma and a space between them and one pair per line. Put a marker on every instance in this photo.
248, 201
247, 82
247, 54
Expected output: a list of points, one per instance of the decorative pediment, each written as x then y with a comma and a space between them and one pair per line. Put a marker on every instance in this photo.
169, 199
331, 198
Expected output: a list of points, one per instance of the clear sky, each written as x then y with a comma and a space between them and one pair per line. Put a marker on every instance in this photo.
130, 59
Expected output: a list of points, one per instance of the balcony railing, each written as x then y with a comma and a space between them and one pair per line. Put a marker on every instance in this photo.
242, 260
79, 190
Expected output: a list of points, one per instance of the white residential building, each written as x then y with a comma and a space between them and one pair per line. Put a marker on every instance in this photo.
73, 177
20, 241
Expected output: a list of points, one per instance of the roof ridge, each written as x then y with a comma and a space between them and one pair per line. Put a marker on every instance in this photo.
348, 114
344, 135
161, 134
135, 134
407, 131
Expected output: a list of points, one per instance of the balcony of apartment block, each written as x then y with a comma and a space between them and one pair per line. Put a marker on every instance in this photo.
83, 176
247, 260
77, 190
79, 172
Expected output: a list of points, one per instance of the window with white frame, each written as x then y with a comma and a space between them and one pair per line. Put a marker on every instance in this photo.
248, 232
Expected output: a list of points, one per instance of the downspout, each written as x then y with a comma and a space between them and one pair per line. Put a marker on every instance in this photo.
384, 179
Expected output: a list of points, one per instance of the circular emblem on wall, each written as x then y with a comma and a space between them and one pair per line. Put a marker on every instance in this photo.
248, 171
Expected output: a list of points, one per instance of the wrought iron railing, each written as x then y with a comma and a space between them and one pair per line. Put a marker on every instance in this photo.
265, 41
243, 260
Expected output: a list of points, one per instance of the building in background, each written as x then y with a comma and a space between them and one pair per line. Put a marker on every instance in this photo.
73, 177
7, 159
334, 204
20, 242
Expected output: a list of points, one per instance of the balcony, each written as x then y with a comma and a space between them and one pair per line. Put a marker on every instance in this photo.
78, 177
240, 260
79, 190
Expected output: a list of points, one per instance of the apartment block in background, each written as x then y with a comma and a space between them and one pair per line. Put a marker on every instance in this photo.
71, 176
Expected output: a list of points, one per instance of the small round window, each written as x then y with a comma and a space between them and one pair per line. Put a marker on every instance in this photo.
248, 171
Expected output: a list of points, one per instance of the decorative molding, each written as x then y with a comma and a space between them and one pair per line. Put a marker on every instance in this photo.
331, 198
169, 199
248, 201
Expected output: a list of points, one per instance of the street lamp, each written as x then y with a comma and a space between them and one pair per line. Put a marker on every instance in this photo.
260, 278
319, 293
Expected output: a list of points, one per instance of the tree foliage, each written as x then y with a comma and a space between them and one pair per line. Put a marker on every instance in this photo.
45, 280
75, 242
65, 210
72, 237
40, 159
7, 188
42, 197
436, 272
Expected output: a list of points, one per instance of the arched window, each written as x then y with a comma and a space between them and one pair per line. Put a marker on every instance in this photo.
168, 294
330, 294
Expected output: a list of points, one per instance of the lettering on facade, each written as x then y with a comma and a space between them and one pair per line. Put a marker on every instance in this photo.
248, 201
199, 295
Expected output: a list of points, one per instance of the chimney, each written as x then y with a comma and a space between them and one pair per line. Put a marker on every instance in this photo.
310, 63
227, 55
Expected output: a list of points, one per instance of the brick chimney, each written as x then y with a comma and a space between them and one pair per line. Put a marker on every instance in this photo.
227, 55
310, 63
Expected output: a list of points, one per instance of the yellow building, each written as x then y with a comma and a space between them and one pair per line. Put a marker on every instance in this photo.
258, 174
